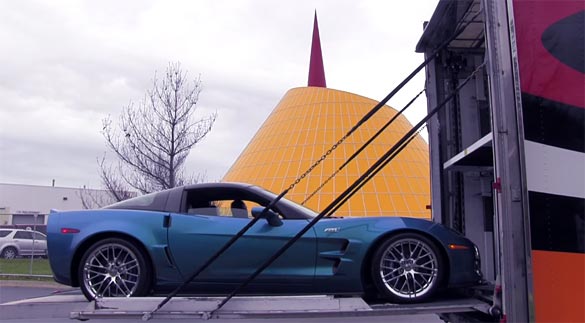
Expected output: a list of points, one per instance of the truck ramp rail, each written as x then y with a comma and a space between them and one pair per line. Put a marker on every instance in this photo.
266, 307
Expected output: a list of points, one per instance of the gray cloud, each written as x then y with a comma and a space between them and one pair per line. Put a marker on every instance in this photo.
68, 64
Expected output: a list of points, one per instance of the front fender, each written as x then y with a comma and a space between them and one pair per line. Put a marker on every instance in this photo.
351, 242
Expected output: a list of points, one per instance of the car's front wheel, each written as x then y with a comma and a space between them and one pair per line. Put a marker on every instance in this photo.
114, 268
407, 268
9, 253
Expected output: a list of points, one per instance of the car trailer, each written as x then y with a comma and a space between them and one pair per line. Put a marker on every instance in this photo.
317, 306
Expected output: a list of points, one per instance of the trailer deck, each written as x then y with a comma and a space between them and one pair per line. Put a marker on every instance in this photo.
266, 307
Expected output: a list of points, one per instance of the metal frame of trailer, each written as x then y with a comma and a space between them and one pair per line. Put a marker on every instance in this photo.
267, 307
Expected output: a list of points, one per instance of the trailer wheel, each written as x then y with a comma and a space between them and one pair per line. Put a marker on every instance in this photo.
114, 268
407, 268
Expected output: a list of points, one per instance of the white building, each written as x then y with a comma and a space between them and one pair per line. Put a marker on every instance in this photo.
23, 204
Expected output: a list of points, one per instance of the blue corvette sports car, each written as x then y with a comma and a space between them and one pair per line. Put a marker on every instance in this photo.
150, 244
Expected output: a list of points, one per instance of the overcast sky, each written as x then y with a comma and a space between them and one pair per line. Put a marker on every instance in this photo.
65, 65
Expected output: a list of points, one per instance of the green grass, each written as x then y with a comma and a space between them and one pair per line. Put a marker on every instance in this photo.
22, 266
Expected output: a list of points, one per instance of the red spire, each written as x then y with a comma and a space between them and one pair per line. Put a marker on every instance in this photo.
316, 70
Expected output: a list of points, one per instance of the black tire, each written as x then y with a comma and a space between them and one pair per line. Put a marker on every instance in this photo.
114, 267
9, 253
407, 268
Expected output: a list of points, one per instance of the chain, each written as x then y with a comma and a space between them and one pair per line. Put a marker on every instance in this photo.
321, 186
362, 148
315, 164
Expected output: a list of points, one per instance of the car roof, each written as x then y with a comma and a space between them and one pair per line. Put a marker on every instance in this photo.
218, 185
16, 229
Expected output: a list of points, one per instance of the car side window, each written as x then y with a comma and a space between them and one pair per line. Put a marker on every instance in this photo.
4, 233
226, 202
229, 208
242, 208
39, 236
209, 209
23, 235
237, 208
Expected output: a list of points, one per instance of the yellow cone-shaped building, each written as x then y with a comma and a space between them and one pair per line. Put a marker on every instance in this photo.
306, 123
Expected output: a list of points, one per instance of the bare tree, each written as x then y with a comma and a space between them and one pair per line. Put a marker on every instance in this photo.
114, 190
154, 137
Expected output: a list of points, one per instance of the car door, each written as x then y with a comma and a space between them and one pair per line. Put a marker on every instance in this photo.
24, 241
39, 244
194, 238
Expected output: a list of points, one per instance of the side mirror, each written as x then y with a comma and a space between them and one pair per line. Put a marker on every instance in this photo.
271, 217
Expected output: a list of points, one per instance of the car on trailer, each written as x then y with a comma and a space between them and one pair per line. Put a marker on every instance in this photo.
152, 243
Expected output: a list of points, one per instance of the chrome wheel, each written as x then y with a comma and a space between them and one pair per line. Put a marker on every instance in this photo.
407, 268
112, 270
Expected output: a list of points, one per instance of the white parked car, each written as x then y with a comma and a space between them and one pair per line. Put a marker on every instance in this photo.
18, 242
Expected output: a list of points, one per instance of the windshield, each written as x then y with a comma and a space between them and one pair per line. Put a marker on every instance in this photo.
288, 204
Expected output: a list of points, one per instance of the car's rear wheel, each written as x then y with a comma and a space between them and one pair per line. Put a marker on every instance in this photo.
114, 268
9, 253
407, 268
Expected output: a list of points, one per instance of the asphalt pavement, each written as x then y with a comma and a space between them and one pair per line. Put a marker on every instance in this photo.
10, 294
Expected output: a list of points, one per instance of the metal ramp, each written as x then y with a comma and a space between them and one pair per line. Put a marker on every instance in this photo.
265, 307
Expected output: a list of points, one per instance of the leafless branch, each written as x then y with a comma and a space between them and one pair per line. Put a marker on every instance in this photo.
154, 137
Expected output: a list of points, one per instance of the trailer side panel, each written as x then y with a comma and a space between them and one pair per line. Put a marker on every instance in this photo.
550, 41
